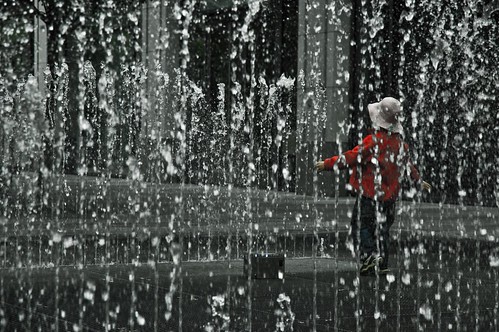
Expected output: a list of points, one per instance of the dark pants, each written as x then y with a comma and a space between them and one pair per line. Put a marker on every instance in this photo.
375, 221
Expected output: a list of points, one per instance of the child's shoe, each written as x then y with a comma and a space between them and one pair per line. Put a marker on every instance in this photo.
384, 270
369, 264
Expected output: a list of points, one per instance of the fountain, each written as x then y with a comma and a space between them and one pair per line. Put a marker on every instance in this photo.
161, 142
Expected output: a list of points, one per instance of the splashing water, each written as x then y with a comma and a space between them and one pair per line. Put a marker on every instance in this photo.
147, 148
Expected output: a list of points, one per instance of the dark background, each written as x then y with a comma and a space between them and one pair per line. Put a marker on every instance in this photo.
450, 108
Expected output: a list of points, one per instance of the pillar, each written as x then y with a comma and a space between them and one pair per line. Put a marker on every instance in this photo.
323, 102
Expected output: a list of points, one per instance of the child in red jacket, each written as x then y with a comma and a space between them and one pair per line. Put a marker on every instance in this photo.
378, 165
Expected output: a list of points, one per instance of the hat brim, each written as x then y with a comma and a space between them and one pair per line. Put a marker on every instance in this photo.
378, 122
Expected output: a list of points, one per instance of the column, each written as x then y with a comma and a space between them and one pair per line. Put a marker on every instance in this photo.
323, 101
40, 48
160, 49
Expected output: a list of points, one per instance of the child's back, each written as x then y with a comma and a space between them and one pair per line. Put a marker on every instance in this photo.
383, 156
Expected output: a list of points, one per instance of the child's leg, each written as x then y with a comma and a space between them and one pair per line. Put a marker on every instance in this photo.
367, 227
388, 217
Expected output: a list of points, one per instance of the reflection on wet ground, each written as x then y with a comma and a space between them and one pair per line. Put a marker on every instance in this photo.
422, 292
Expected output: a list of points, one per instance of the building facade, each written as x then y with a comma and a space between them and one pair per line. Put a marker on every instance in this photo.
342, 54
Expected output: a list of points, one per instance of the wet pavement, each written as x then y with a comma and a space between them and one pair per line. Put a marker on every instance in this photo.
90, 205
423, 292
88, 268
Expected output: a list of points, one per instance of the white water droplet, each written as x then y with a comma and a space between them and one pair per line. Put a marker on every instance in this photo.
426, 311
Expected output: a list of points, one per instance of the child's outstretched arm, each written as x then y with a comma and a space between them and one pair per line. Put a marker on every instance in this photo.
350, 158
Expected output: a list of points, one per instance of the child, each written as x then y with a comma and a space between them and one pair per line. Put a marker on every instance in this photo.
377, 164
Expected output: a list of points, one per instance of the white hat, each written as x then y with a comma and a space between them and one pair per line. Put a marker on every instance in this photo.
385, 114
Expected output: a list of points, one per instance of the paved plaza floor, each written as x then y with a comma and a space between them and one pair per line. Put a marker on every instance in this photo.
422, 292
169, 258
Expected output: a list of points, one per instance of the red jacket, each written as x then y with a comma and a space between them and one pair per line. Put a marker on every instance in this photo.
392, 159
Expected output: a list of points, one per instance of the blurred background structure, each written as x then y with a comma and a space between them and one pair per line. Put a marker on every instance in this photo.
114, 77
138, 137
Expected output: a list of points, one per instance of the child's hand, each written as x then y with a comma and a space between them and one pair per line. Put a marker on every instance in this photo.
426, 186
319, 166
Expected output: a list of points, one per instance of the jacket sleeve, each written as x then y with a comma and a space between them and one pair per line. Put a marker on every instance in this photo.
351, 157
